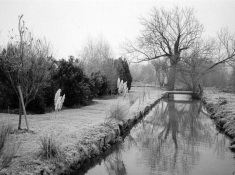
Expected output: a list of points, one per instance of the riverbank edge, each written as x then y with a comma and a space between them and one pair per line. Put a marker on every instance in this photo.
94, 149
222, 116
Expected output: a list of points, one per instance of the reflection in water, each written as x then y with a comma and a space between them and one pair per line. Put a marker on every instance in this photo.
114, 163
172, 139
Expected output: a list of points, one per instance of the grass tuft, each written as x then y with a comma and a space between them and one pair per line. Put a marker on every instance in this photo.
49, 147
117, 113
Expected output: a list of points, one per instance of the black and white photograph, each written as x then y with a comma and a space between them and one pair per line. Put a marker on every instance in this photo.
117, 87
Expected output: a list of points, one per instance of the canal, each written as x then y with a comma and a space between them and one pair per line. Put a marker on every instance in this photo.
175, 138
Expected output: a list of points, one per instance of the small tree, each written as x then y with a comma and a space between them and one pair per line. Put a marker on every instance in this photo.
25, 63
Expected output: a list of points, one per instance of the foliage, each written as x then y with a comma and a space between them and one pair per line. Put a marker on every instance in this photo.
25, 64
123, 71
79, 89
37, 105
100, 82
108, 68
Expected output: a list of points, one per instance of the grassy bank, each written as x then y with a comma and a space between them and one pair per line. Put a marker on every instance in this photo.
222, 108
54, 143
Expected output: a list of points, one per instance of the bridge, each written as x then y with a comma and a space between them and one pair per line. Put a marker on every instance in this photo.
168, 93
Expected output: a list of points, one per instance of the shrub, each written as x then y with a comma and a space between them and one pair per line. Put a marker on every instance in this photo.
100, 83
37, 105
49, 147
79, 89
123, 71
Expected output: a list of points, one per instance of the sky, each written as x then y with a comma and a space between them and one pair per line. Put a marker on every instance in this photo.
67, 25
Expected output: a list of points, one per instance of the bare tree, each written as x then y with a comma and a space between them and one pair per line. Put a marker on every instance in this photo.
195, 62
225, 48
94, 54
26, 65
161, 67
166, 33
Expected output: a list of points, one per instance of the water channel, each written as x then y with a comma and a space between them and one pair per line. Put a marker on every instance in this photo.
175, 138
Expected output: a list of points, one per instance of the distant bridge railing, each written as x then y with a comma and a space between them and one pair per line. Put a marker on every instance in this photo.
168, 93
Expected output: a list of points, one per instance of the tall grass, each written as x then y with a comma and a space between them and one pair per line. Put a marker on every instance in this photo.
8, 149
4, 133
50, 147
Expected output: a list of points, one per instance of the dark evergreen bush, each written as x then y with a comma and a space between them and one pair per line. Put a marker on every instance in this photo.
37, 105
77, 87
123, 71
100, 83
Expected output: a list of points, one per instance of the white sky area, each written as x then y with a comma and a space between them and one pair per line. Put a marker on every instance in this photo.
68, 24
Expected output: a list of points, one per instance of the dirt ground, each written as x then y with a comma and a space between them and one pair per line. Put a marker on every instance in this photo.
69, 126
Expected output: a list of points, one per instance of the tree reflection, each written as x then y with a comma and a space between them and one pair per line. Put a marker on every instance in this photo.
170, 137
114, 163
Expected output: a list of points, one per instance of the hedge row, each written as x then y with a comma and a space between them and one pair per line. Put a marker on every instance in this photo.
69, 76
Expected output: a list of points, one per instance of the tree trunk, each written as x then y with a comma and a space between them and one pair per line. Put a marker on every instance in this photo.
23, 106
20, 109
172, 76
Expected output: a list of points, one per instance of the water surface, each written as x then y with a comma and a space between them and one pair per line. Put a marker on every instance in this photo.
175, 138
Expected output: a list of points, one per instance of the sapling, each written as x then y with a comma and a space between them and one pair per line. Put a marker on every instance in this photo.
59, 100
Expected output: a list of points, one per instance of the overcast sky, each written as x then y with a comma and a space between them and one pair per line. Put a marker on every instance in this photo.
68, 24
